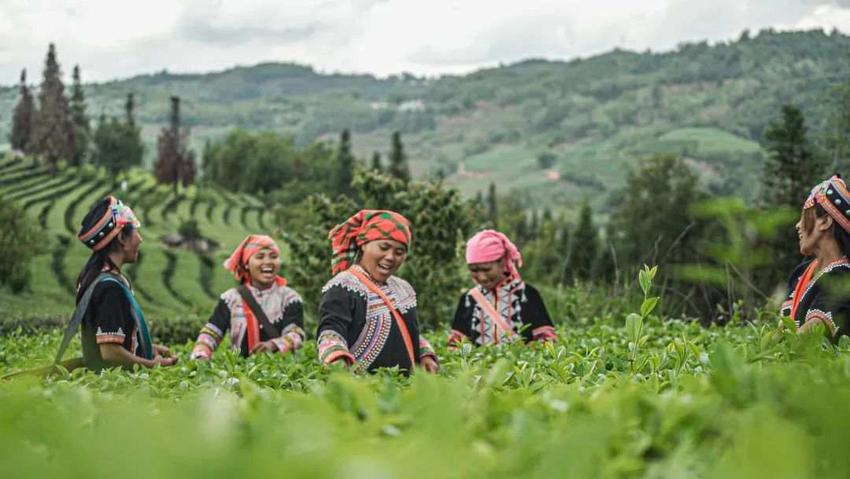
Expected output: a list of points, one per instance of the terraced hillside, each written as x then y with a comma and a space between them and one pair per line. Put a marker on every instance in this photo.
169, 282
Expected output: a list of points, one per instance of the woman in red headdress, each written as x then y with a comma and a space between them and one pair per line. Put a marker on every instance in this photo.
818, 288
262, 313
367, 315
501, 307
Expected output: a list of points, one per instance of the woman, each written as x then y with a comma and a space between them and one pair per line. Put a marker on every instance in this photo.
262, 313
113, 329
817, 289
501, 307
367, 316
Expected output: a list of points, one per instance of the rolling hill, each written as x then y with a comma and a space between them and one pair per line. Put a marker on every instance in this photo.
597, 115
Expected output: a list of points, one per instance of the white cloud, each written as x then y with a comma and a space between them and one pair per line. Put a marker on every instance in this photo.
111, 39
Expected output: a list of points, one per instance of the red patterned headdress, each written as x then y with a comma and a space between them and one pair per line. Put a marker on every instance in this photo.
363, 227
251, 245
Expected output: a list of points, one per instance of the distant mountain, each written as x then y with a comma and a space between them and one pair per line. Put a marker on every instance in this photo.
594, 117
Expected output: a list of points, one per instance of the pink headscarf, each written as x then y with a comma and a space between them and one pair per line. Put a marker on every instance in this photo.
251, 245
490, 245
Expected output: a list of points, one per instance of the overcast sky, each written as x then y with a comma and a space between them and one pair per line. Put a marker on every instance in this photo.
116, 39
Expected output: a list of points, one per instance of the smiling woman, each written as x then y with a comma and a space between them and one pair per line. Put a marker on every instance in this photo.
262, 313
367, 316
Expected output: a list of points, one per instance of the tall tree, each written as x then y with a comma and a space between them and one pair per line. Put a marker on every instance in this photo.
398, 160
344, 164
54, 137
492, 205
174, 163
791, 168
653, 222
376, 162
585, 246
836, 136
22, 118
117, 146
130, 110
790, 171
82, 129
135, 149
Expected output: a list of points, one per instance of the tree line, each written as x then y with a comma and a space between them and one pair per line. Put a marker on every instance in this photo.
56, 128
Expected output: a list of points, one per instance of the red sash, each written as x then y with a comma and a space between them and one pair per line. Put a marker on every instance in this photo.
802, 284
405, 334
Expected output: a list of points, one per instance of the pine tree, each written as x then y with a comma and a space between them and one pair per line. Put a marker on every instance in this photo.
344, 164
134, 148
790, 172
22, 118
398, 160
791, 168
492, 206
174, 164
585, 245
534, 227
82, 129
376, 162
129, 110
54, 138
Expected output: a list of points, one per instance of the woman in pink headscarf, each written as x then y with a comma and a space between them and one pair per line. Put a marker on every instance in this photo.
262, 313
501, 307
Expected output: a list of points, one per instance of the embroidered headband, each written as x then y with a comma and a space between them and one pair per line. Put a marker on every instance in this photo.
832, 195
114, 219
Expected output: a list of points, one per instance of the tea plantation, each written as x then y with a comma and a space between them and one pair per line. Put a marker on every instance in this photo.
621, 396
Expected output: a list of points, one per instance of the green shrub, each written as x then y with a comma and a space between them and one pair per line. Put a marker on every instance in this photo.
19, 243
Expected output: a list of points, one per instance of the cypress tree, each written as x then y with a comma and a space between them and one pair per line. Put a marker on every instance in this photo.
492, 205
54, 138
344, 164
376, 162
398, 160
790, 171
129, 110
534, 227
134, 148
585, 245
174, 164
82, 129
22, 118
791, 168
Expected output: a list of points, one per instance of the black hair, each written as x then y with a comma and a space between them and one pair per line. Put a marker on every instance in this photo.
842, 237
99, 258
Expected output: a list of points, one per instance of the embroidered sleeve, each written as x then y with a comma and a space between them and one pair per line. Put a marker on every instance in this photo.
536, 315
462, 323
829, 307
291, 338
212, 333
335, 317
824, 317
112, 315
426, 350
292, 335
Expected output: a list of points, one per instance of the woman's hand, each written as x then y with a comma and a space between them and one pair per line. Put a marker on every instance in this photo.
161, 350
164, 361
264, 346
429, 364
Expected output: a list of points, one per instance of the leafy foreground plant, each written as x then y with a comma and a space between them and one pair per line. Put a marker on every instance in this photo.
733, 402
